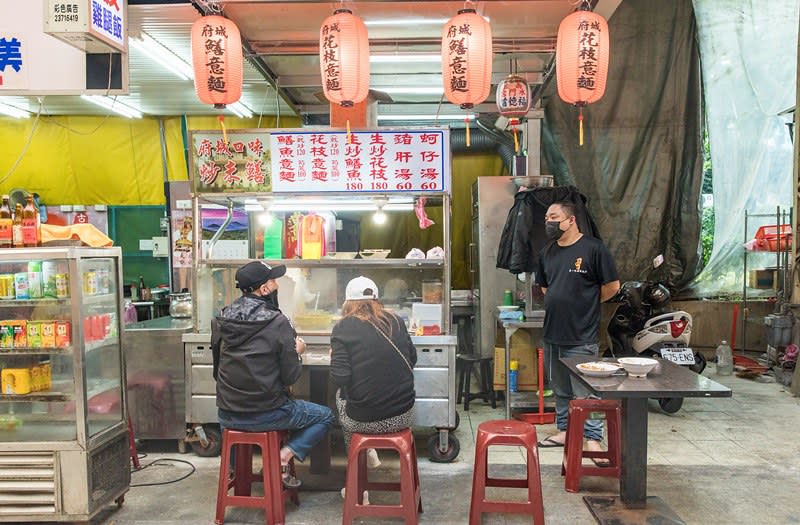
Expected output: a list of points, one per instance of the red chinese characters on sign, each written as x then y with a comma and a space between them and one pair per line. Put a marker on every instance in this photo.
236, 163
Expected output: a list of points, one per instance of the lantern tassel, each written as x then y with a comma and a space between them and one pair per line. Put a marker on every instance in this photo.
467, 122
580, 126
516, 140
221, 119
349, 136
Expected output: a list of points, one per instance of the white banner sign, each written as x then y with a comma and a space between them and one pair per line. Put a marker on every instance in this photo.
382, 161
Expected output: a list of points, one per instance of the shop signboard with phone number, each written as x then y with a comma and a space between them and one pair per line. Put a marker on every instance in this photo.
297, 161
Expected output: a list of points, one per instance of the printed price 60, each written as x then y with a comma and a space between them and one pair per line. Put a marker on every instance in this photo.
428, 185
404, 185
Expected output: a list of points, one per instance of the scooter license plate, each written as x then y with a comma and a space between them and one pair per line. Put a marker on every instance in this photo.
681, 356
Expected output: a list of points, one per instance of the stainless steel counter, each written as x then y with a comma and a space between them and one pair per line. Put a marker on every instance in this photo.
156, 377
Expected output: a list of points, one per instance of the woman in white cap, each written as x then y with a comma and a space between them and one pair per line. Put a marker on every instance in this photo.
372, 361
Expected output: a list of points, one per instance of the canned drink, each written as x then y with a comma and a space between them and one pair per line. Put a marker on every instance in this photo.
90, 283
7, 286
103, 284
62, 285
34, 334
21, 285
48, 334
63, 334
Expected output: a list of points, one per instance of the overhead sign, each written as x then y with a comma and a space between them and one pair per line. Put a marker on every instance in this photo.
240, 164
34, 63
385, 161
301, 161
93, 26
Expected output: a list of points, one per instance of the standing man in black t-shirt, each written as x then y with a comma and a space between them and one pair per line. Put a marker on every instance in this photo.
576, 274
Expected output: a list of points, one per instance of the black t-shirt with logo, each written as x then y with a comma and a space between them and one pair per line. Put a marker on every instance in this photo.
573, 275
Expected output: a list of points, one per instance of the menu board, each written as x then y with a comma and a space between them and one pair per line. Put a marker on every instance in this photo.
382, 161
301, 161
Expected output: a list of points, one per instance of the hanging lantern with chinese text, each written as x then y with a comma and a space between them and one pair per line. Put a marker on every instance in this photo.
513, 102
467, 59
344, 58
217, 60
582, 52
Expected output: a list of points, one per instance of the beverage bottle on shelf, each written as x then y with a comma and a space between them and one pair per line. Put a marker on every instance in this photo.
513, 372
16, 228
30, 224
6, 224
724, 359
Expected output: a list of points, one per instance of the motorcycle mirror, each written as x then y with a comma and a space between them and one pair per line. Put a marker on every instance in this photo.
658, 261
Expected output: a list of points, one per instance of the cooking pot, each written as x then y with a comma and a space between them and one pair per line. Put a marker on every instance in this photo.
180, 305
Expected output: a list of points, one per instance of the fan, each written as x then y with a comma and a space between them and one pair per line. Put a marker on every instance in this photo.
20, 196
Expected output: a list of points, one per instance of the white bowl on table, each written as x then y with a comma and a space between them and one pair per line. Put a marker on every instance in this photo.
637, 366
598, 368
508, 308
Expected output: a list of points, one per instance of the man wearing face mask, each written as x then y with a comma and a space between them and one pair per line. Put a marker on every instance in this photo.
256, 355
576, 274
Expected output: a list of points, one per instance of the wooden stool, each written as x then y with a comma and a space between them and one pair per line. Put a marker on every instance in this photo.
572, 466
510, 433
410, 495
242, 477
464, 365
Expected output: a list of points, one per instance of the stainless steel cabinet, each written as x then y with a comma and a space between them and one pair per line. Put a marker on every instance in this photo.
63, 433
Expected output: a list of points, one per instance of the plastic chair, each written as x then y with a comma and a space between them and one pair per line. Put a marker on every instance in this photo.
464, 365
572, 465
410, 495
242, 477
509, 433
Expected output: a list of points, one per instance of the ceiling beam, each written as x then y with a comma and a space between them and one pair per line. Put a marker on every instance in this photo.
394, 45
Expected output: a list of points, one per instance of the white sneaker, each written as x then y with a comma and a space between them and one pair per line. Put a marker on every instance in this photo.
366, 496
373, 461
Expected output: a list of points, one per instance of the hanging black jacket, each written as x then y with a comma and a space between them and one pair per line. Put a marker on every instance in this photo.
523, 235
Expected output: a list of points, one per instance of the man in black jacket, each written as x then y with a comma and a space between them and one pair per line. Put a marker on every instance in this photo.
256, 355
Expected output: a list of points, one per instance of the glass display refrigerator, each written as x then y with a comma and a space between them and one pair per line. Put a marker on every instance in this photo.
64, 452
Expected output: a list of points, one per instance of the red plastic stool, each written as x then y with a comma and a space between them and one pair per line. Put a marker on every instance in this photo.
132, 446
410, 495
275, 494
510, 433
572, 465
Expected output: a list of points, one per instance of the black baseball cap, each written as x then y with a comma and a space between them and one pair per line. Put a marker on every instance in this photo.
254, 274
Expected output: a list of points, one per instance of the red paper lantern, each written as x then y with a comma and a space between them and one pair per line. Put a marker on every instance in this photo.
218, 61
582, 51
344, 58
467, 58
513, 98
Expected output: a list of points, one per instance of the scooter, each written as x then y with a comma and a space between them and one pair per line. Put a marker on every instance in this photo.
643, 325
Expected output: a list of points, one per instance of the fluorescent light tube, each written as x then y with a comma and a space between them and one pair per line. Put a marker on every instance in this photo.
411, 90
240, 110
426, 117
406, 22
12, 111
162, 56
344, 206
404, 59
114, 105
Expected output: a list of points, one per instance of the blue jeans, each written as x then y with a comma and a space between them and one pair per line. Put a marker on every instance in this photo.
565, 389
306, 422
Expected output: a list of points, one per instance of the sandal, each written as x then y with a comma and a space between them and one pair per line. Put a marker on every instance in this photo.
288, 480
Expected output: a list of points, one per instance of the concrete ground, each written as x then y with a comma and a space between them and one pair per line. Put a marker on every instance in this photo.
717, 461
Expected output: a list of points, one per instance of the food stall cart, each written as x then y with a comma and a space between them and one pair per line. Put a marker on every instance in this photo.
307, 199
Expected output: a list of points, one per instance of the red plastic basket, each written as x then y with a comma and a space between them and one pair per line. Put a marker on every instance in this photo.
774, 237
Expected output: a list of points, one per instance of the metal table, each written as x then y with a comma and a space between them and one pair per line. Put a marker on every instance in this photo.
666, 380
510, 327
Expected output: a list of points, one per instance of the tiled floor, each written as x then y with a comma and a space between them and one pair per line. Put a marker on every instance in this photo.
717, 461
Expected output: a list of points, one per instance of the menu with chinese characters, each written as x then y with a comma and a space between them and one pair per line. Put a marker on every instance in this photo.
240, 164
384, 161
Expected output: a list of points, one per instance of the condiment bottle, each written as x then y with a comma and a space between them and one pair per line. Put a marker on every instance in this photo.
16, 227
30, 224
6, 224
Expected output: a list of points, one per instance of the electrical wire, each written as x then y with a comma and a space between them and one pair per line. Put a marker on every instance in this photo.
163, 462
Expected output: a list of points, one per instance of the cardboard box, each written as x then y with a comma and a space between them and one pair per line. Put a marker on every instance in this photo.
523, 350
764, 279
